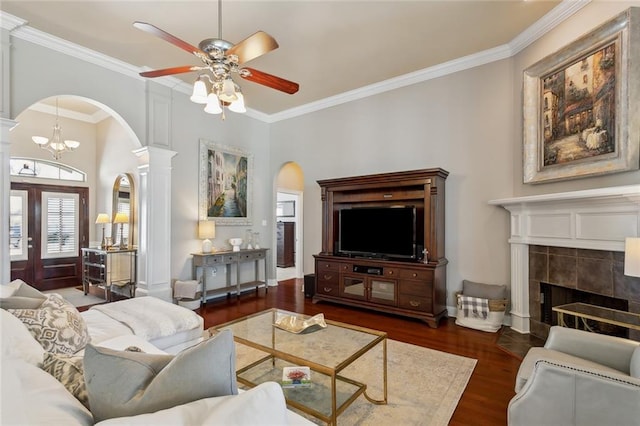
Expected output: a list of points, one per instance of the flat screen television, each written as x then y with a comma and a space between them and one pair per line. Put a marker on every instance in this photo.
378, 232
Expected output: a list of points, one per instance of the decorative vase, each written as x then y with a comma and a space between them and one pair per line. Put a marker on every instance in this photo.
248, 237
256, 240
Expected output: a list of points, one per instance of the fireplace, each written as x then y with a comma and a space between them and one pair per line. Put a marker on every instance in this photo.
553, 295
572, 240
560, 275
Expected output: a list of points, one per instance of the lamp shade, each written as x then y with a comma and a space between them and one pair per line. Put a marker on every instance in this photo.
102, 218
206, 229
238, 104
632, 257
213, 104
121, 218
199, 95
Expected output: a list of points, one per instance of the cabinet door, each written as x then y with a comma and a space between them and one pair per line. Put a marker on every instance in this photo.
353, 287
383, 291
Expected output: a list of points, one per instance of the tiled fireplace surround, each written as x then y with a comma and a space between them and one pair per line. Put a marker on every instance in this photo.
598, 272
573, 240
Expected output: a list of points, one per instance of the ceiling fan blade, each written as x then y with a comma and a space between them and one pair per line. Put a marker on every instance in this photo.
152, 29
271, 81
169, 71
255, 45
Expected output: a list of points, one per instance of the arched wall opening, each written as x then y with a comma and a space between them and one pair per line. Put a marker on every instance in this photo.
289, 227
107, 145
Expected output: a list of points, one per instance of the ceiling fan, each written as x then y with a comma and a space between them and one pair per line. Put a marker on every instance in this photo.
220, 59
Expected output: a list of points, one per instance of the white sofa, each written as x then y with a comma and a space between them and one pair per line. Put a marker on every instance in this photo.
31, 396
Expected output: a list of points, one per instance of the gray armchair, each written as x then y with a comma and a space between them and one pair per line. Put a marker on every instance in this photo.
578, 378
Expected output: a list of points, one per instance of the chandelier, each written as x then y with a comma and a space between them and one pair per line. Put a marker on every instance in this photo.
56, 145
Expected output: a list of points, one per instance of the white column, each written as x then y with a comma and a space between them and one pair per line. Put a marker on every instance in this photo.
5, 190
520, 287
154, 251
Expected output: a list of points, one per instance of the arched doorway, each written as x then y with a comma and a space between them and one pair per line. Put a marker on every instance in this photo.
289, 222
102, 135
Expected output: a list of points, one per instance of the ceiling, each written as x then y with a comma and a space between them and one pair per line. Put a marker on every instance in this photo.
329, 47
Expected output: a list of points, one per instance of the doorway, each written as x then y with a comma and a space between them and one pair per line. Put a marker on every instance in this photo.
48, 224
289, 222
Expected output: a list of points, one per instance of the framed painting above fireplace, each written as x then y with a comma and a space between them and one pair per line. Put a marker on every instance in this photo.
581, 105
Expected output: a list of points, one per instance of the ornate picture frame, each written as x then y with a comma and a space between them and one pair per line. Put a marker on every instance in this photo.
225, 184
581, 105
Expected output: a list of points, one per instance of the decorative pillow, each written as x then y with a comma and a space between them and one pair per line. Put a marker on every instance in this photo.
16, 341
56, 325
23, 297
68, 371
484, 291
124, 383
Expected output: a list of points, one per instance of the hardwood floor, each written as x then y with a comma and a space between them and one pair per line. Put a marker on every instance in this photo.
490, 388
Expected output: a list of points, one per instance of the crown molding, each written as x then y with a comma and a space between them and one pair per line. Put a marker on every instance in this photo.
19, 28
555, 17
94, 118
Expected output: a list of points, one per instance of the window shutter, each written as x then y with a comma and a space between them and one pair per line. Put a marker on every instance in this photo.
60, 225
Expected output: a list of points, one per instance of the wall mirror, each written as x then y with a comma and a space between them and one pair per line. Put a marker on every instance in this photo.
124, 201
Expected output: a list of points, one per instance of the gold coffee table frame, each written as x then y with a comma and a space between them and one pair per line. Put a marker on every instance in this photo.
347, 342
584, 312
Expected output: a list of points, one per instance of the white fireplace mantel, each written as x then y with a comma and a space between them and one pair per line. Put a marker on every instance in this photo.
597, 219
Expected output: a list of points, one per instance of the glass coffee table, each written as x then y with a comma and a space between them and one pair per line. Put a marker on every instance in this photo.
326, 351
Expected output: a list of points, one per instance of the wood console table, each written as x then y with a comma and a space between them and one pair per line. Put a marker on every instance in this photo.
220, 258
108, 268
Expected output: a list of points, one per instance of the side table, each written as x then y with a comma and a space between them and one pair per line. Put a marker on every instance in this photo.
229, 258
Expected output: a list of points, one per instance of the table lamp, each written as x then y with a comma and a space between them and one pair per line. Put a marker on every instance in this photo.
121, 218
103, 219
632, 257
206, 230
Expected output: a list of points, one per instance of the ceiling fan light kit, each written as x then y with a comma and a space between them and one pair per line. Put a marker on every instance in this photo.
221, 59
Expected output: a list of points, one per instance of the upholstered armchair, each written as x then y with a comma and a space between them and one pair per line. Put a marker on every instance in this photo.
578, 378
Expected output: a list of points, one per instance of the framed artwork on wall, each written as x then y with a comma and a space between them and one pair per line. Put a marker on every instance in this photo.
225, 184
581, 105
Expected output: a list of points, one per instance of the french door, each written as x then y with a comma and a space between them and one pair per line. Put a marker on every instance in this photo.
48, 224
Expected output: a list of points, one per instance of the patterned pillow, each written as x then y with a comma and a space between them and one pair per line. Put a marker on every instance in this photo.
68, 371
56, 325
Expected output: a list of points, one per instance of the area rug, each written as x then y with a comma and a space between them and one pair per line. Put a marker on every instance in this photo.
423, 385
77, 297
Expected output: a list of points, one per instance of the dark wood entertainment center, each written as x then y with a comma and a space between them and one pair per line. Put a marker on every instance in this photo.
415, 288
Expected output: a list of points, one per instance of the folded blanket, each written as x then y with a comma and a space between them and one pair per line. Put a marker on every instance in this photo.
150, 317
474, 307
185, 289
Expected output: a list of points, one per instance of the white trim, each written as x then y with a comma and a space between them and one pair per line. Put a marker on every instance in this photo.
19, 28
596, 219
